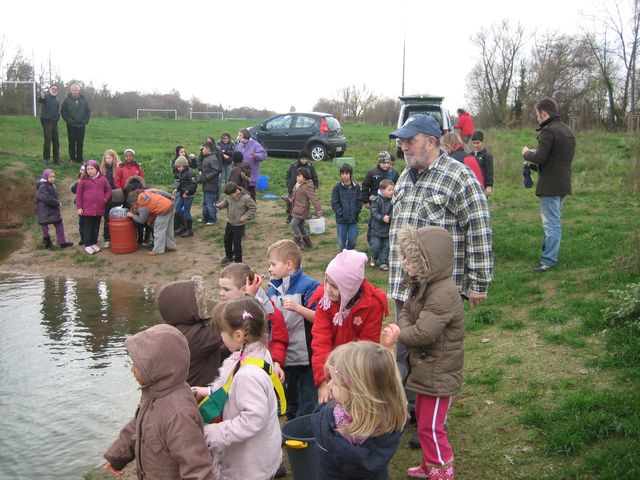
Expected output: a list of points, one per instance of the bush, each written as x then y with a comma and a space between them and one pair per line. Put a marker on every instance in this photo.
624, 308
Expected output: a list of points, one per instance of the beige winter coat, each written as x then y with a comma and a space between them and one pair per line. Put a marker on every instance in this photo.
432, 319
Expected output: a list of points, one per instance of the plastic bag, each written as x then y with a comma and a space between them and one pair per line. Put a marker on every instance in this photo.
118, 212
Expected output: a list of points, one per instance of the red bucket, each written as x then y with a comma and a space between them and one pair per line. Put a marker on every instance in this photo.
123, 235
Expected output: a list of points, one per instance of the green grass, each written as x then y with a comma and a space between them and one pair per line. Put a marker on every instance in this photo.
551, 389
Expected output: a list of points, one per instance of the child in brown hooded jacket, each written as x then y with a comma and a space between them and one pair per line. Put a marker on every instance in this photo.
166, 436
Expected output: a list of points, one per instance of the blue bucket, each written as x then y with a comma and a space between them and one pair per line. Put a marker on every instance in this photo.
302, 449
263, 182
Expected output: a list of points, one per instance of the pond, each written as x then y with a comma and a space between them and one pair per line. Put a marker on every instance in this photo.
66, 386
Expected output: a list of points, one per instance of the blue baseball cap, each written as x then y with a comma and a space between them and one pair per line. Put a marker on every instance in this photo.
418, 123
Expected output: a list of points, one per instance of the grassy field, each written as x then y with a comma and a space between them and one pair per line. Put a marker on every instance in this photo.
552, 364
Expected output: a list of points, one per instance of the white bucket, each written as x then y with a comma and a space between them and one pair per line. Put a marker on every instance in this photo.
316, 225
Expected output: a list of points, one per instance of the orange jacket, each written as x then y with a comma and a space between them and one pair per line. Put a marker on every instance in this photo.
156, 203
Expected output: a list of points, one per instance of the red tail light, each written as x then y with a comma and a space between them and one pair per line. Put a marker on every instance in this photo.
324, 128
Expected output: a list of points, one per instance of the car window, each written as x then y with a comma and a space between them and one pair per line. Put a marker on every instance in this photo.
303, 121
279, 123
332, 123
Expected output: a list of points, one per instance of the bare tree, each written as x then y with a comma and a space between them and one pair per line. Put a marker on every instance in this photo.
625, 25
355, 101
491, 81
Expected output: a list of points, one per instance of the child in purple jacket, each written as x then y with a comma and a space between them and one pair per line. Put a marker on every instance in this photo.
93, 193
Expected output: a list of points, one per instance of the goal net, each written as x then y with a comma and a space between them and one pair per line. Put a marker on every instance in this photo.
156, 113
206, 115
18, 97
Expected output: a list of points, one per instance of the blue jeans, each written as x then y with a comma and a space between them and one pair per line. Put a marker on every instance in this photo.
300, 391
380, 249
347, 235
550, 210
183, 206
209, 211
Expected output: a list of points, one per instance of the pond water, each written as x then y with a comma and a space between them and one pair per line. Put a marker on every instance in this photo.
66, 388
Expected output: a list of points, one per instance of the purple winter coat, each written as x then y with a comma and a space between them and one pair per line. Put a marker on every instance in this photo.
92, 195
47, 203
252, 146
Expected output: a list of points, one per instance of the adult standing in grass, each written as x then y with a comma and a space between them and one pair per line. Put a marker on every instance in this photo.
552, 159
436, 190
76, 113
210, 168
253, 154
49, 116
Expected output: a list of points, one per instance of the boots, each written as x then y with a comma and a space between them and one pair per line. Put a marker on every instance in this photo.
307, 241
188, 232
47, 243
179, 227
299, 242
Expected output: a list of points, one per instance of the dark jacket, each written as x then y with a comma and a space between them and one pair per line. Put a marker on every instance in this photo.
553, 157
50, 110
108, 174
211, 167
236, 175
166, 436
346, 202
371, 182
485, 162
47, 203
432, 319
380, 206
291, 175
226, 149
76, 111
187, 183
183, 305
341, 460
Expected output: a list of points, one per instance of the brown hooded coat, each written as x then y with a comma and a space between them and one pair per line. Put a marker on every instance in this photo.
432, 319
166, 435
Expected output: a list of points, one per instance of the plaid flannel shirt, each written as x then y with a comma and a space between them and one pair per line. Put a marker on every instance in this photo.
445, 195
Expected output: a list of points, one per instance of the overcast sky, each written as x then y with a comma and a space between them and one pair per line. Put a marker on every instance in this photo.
268, 53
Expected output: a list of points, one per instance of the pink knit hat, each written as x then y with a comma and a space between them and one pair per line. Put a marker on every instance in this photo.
347, 271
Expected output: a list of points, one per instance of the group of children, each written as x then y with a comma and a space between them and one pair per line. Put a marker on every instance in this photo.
324, 341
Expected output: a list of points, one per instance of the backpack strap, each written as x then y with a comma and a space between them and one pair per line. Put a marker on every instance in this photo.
277, 385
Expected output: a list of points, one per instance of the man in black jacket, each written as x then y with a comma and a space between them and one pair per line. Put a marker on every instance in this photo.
49, 116
76, 112
552, 159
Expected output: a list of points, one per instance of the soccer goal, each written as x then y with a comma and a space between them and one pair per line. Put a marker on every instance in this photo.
156, 113
206, 115
16, 100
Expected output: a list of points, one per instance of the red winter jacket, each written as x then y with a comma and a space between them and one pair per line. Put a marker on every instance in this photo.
279, 336
465, 124
126, 170
363, 323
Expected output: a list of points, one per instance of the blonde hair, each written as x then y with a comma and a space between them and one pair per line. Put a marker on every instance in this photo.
238, 273
116, 161
285, 250
243, 313
375, 399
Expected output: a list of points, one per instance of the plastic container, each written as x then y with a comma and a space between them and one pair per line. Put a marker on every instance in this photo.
302, 449
123, 233
263, 182
339, 161
317, 225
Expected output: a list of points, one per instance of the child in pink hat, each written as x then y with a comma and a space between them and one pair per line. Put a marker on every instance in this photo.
349, 308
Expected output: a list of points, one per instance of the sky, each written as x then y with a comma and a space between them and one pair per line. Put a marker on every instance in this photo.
271, 54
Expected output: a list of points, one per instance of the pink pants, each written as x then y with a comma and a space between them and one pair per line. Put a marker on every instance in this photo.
431, 415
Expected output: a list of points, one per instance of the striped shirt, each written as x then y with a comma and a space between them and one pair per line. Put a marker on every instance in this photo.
444, 195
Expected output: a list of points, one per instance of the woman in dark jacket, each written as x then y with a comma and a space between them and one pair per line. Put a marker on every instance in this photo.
48, 209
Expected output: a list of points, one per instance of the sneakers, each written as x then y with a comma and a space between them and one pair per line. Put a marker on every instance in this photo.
224, 261
384, 267
96, 248
417, 472
372, 263
210, 223
89, 250
153, 253
541, 268
170, 249
106, 244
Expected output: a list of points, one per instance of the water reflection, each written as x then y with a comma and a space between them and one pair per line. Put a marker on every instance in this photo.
66, 388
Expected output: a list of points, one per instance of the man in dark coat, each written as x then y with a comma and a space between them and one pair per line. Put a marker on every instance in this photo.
552, 159
210, 169
76, 112
49, 116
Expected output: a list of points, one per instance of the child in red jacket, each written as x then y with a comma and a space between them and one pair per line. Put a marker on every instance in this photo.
349, 308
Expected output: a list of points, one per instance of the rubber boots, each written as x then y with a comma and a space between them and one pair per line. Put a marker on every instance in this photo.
307, 241
299, 242
180, 224
47, 242
188, 230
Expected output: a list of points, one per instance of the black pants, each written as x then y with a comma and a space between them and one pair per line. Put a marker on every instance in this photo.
233, 242
75, 136
50, 130
252, 191
91, 229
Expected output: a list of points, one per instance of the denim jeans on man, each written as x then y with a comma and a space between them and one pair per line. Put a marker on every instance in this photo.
209, 211
183, 206
347, 235
380, 249
550, 210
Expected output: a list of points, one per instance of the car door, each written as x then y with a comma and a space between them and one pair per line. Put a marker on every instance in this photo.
275, 133
304, 127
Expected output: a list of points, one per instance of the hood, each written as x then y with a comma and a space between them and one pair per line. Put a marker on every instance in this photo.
135, 177
184, 302
161, 353
431, 250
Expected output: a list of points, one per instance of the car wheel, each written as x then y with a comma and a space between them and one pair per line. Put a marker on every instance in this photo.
318, 152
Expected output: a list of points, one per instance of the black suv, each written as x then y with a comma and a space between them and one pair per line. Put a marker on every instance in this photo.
426, 104
318, 133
